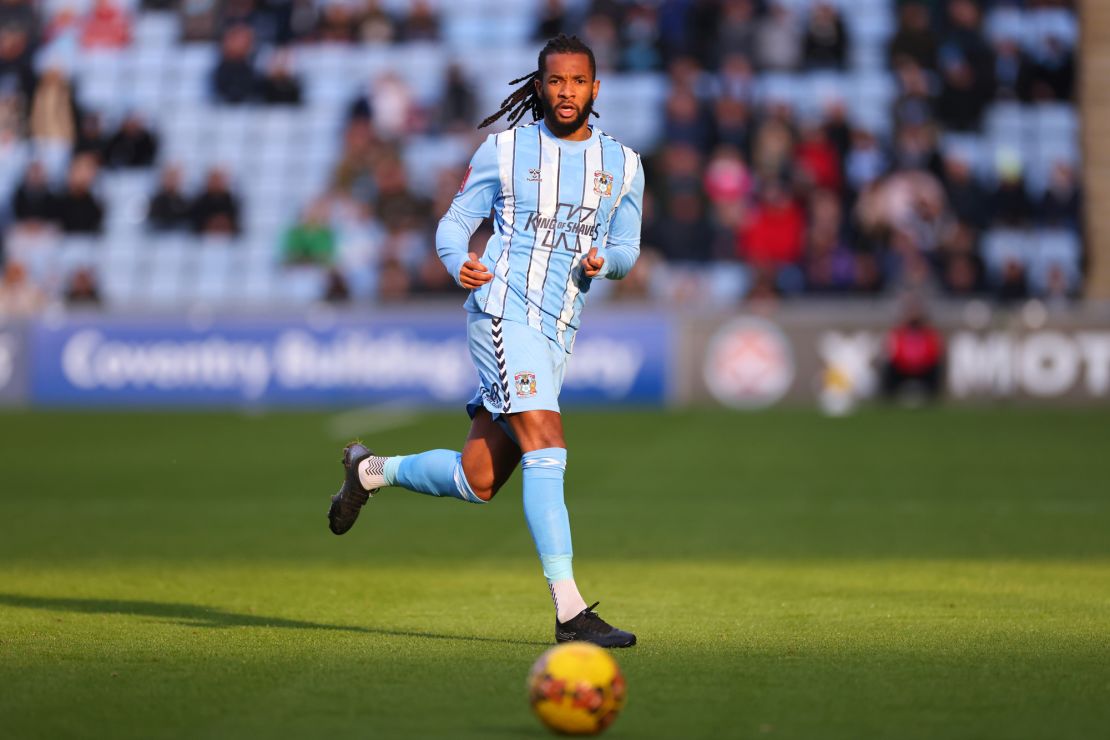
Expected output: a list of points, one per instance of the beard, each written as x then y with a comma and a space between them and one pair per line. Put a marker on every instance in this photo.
559, 128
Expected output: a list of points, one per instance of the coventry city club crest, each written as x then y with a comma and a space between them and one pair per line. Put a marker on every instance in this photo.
525, 384
603, 183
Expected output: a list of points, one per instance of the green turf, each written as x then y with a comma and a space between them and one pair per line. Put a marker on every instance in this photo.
933, 574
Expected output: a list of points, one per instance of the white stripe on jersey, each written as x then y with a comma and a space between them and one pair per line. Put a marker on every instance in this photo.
506, 159
590, 199
631, 164
548, 208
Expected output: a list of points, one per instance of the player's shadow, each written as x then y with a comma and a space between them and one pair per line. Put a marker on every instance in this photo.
192, 615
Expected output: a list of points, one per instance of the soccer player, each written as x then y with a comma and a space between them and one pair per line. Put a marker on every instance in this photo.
566, 202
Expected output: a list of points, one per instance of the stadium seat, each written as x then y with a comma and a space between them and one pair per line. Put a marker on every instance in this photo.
1054, 249
1001, 246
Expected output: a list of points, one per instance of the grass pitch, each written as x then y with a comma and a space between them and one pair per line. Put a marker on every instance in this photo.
891, 575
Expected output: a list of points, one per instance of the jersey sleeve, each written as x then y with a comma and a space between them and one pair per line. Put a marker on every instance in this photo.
623, 246
472, 204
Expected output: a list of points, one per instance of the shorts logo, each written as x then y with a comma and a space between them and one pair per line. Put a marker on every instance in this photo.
492, 396
603, 183
462, 185
525, 384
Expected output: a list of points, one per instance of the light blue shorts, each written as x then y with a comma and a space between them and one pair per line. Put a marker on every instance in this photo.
519, 369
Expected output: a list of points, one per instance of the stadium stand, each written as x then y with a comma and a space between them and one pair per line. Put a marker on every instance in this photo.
811, 143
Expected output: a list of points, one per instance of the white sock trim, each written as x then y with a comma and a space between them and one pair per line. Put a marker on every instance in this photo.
568, 602
371, 473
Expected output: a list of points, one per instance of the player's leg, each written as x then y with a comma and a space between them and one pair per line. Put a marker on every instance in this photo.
489, 456
488, 460
544, 459
440, 472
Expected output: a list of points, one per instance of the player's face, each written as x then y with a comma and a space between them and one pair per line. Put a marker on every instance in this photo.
568, 90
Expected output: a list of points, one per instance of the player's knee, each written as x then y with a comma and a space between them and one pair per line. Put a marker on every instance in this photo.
486, 492
481, 480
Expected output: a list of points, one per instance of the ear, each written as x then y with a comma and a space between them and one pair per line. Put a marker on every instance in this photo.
597, 86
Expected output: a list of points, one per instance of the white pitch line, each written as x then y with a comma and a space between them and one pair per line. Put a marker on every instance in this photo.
369, 420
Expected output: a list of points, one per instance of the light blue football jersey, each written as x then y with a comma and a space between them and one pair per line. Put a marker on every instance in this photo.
552, 200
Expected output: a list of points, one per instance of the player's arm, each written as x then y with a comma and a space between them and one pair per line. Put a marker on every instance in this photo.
470, 207
623, 246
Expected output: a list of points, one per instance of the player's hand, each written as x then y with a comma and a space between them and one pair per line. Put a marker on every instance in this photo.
592, 264
473, 273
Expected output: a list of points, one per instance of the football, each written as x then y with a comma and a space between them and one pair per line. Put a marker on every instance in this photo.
576, 689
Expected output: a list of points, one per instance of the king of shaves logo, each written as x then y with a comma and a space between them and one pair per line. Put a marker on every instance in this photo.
571, 221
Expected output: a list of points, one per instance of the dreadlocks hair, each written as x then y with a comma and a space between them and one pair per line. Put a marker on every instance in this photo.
525, 98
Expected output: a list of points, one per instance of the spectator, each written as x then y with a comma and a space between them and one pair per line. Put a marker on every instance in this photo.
1013, 286
421, 24
133, 145
914, 104
970, 200
915, 148
830, 267
34, 204
685, 235
837, 127
640, 40
216, 209
107, 26
914, 358
1012, 71
914, 39
19, 297
736, 79
1061, 203
361, 152
552, 20
964, 36
390, 104
779, 41
773, 150
1010, 204
90, 136
1052, 76
399, 209
817, 160
773, 233
337, 23
685, 121
54, 109
311, 240
865, 162
16, 71
601, 35
79, 210
83, 289
336, 290
279, 86
737, 30
376, 25
732, 125
457, 111
826, 41
234, 80
965, 92
168, 209
960, 265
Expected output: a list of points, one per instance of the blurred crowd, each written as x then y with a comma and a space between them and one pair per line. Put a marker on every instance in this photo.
748, 197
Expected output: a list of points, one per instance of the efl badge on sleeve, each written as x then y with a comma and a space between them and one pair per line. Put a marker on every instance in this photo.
603, 183
525, 385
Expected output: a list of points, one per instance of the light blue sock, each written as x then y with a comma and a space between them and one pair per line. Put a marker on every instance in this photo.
436, 473
546, 512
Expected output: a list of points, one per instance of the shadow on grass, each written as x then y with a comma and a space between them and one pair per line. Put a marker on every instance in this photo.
192, 615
